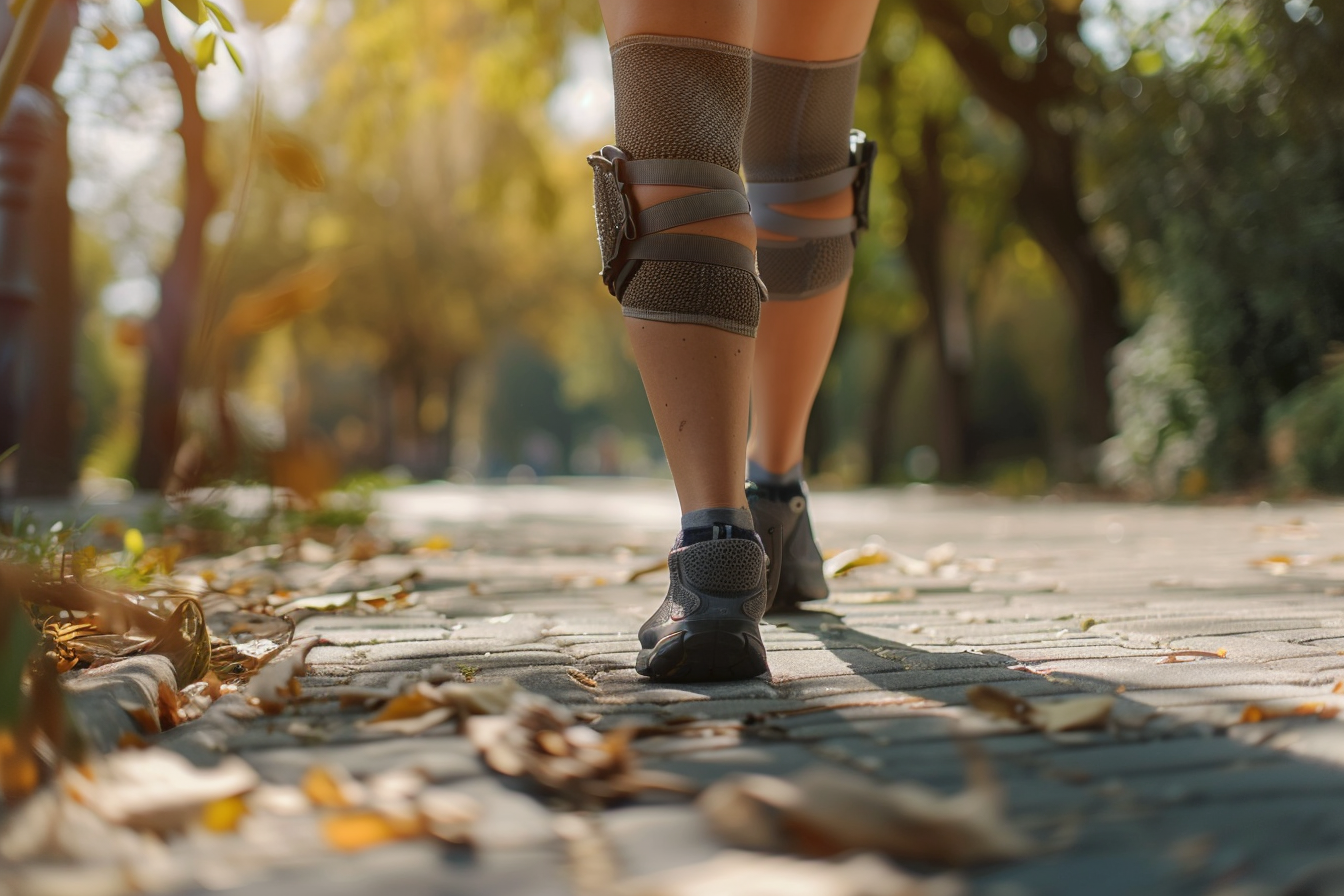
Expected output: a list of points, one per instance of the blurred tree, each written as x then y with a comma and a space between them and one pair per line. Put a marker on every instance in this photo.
180, 281
35, 251
1029, 64
1222, 175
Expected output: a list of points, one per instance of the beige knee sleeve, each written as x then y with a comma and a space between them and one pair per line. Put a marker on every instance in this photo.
681, 107
799, 146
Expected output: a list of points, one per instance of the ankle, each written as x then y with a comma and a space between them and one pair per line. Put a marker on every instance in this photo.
760, 475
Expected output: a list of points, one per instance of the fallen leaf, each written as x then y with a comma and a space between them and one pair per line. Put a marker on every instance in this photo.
421, 705
1070, 714
276, 685
1186, 656
106, 38
154, 788
331, 787
542, 740
222, 816
752, 874
1256, 713
582, 678
361, 829
873, 597
845, 561
656, 566
824, 811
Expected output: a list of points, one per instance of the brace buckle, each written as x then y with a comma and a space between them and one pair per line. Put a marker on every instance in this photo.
608, 164
862, 152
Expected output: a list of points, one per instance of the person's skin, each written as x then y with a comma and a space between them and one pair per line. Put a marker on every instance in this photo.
697, 377
795, 339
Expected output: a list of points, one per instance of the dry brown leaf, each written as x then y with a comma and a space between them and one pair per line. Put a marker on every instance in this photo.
657, 566
1256, 713
296, 161
1338, 688
20, 771
276, 685
1070, 714
901, 595
1186, 656
541, 740
735, 873
825, 811
582, 678
422, 705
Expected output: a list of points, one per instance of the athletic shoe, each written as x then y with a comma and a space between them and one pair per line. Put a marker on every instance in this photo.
780, 515
708, 627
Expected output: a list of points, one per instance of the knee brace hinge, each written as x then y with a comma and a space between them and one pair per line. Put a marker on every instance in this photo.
627, 238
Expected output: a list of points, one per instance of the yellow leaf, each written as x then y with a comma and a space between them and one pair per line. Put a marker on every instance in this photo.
353, 831
222, 816
267, 12
280, 300
134, 542
106, 38
295, 161
329, 788
192, 9
205, 50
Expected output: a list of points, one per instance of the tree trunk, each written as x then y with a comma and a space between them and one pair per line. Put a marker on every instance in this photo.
1048, 206
46, 459
884, 407
924, 243
29, 127
1047, 200
180, 283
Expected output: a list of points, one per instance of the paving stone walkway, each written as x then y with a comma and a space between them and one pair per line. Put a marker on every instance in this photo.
1190, 614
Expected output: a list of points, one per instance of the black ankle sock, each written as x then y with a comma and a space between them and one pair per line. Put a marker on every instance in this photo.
697, 534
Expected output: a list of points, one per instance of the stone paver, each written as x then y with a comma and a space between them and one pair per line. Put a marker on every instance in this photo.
1050, 599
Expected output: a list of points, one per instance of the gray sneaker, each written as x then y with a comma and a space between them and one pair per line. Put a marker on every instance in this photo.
780, 515
708, 627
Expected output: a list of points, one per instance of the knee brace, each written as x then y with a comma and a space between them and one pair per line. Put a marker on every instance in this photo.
681, 107
800, 146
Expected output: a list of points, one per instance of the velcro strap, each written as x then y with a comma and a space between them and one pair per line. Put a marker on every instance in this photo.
690, 209
802, 190
692, 247
803, 228
681, 173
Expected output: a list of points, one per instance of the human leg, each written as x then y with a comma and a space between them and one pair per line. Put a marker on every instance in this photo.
801, 170
678, 250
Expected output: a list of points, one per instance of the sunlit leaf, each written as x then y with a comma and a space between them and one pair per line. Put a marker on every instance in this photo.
266, 12
295, 161
233, 54
220, 16
192, 9
205, 50
222, 816
1070, 714
1256, 713
354, 831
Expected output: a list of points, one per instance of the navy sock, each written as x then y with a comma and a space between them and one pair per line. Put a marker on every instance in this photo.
761, 476
715, 522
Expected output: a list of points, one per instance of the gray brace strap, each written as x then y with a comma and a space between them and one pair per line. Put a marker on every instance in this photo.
681, 111
630, 238
799, 147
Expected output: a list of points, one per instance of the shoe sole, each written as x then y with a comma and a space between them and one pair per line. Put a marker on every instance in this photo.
705, 650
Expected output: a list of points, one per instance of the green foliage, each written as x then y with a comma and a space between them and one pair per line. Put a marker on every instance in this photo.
1225, 182
1307, 441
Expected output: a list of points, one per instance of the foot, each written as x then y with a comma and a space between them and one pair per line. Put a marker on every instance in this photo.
708, 627
780, 514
